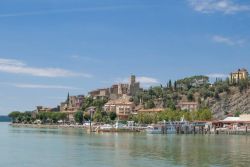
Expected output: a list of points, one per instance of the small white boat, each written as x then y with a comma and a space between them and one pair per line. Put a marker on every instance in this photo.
170, 129
106, 127
154, 130
119, 125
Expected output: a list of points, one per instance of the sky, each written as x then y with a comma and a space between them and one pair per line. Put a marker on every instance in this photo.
51, 47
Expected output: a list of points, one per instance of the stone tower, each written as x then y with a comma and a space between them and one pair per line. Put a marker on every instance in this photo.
132, 79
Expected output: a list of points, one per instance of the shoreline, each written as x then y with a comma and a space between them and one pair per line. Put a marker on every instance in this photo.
46, 126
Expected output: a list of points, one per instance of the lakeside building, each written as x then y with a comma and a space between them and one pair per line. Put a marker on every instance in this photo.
189, 106
40, 109
122, 107
72, 105
233, 122
241, 74
117, 90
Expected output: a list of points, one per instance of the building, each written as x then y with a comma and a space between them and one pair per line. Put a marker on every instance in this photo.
241, 74
72, 105
133, 86
122, 107
99, 93
189, 106
118, 90
200, 82
123, 89
233, 122
40, 109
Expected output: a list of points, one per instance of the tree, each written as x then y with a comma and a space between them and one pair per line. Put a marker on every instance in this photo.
237, 114
86, 116
14, 115
112, 116
171, 104
170, 84
175, 85
190, 96
62, 116
243, 85
150, 104
97, 116
78, 116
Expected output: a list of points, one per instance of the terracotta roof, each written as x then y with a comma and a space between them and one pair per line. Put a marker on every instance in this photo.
119, 102
151, 110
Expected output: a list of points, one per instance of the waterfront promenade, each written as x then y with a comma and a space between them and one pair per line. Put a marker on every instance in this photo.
180, 130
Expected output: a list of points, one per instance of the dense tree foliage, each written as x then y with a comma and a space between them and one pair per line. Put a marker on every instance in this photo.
79, 117
51, 117
45, 117
90, 102
172, 115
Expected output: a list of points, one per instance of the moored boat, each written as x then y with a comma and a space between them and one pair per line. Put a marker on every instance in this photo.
153, 129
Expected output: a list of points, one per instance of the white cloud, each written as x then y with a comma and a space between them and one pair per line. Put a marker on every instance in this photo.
84, 58
147, 80
18, 67
227, 40
11, 62
217, 75
224, 6
42, 86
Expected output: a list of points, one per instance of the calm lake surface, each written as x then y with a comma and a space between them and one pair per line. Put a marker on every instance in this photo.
26, 147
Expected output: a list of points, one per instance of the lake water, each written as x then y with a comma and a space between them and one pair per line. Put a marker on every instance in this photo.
26, 147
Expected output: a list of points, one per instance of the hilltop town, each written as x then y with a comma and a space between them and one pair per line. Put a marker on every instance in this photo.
125, 101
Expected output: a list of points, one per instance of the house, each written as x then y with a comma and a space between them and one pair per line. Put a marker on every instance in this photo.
241, 74
72, 105
189, 106
99, 93
122, 107
233, 122
40, 109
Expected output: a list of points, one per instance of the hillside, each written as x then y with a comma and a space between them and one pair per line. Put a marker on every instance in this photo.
233, 103
222, 97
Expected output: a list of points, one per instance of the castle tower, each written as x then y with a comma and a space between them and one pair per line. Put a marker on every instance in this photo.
132, 80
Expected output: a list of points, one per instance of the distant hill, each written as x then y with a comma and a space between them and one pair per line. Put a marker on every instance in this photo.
4, 119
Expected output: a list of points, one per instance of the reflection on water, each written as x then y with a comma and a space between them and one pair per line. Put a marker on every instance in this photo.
26, 147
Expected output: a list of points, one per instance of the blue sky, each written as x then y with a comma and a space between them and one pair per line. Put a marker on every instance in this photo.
51, 47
